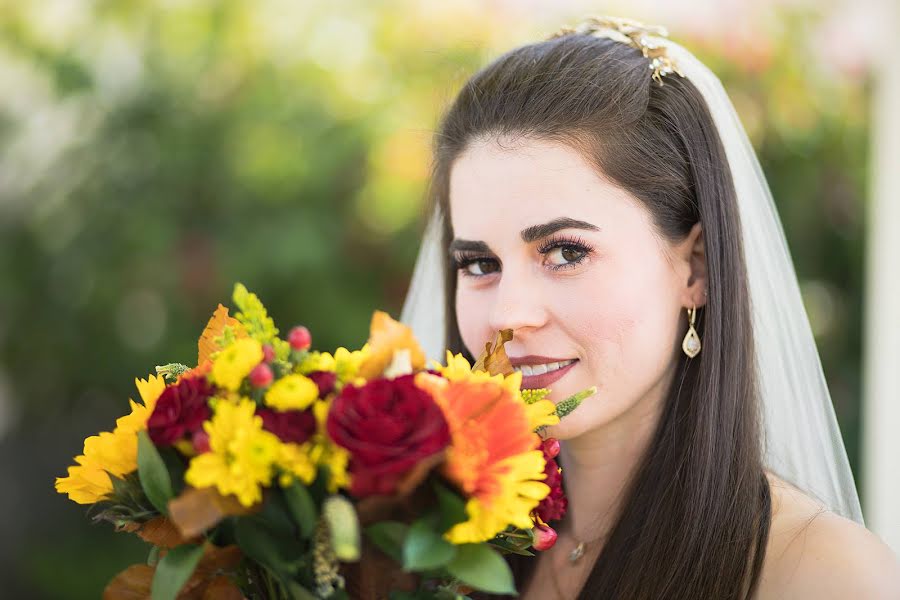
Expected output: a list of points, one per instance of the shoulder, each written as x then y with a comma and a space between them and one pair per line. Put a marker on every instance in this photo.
815, 553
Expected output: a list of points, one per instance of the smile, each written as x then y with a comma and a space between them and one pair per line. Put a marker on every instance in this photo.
540, 369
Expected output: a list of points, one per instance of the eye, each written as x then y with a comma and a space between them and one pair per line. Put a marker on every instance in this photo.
475, 266
565, 253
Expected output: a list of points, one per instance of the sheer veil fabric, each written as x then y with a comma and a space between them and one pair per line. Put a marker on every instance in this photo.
803, 444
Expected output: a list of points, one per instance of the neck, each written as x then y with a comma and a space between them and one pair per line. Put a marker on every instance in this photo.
598, 466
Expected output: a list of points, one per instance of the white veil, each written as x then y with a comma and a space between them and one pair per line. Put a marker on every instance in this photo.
803, 443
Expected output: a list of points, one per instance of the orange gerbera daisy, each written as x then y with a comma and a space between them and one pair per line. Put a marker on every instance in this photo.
493, 455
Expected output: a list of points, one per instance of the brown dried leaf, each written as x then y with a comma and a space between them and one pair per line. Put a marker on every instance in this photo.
160, 531
494, 359
131, 584
198, 509
222, 588
217, 559
385, 336
207, 345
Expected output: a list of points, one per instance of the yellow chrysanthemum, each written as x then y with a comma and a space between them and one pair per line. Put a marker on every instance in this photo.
344, 363
293, 392
242, 454
235, 362
325, 452
296, 463
111, 453
492, 458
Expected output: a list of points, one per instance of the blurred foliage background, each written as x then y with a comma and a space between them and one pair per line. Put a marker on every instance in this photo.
152, 153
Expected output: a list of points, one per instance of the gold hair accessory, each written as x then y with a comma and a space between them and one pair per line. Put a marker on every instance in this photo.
630, 32
691, 343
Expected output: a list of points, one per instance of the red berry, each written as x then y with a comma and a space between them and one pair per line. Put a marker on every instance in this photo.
200, 439
544, 537
551, 447
299, 338
268, 353
261, 375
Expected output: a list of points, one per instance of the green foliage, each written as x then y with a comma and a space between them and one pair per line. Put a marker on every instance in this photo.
154, 475
425, 548
483, 568
390, 537
173, 571
302, 508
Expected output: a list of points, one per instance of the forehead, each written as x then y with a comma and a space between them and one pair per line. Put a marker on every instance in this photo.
496, 186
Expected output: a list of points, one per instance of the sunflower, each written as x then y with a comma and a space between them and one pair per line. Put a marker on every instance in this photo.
111, 452
493, 457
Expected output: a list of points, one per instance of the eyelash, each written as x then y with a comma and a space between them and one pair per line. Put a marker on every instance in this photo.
461, 260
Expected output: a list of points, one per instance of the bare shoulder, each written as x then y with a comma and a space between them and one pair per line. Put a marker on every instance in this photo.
815, 553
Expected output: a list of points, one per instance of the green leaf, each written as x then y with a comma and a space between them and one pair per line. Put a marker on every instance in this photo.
424, 548
453, 507
277, 552
173, 571
389, 537
302, 508
154, 476
482, 567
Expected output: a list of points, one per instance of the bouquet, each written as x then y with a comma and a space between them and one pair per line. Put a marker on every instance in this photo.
271, 470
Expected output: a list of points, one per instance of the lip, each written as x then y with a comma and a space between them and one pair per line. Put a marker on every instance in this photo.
531, 382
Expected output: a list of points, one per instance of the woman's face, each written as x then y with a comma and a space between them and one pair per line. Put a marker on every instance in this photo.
604, 290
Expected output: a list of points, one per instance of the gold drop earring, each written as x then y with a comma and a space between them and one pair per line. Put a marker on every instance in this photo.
691, 343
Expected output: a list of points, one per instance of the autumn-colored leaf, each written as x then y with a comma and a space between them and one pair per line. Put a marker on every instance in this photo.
208, 581
222, 588
218, 559
385, 336
493, 358
207, 345
131, 584
198, 509
160, 531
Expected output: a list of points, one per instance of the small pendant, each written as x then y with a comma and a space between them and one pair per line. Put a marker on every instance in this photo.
577, 553
691, 343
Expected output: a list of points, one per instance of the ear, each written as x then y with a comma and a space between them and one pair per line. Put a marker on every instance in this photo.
691, 253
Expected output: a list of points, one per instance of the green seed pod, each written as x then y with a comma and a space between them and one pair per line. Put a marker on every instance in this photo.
343, 524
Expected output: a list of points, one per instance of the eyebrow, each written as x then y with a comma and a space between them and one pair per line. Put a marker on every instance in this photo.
528, 235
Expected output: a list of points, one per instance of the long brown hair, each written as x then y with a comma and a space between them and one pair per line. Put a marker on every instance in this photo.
696, 515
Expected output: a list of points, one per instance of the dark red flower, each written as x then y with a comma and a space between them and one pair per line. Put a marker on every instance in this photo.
325, 380
553, 506
180, 410
295, 426
388, 425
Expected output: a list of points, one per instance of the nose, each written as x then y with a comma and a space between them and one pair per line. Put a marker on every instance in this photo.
517, 304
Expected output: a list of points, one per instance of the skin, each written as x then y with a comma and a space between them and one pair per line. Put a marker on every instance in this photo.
620, 311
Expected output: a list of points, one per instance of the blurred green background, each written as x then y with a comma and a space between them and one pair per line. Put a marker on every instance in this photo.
153, 153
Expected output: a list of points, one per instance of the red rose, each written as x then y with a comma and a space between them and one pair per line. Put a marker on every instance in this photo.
295, 426
180, 410
388, 425
553, 506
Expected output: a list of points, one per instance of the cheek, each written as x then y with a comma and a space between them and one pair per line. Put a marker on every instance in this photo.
472, 320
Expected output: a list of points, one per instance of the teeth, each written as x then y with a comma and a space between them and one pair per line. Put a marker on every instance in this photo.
543, 368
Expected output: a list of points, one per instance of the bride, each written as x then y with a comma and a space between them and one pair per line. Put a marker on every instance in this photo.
596, 193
